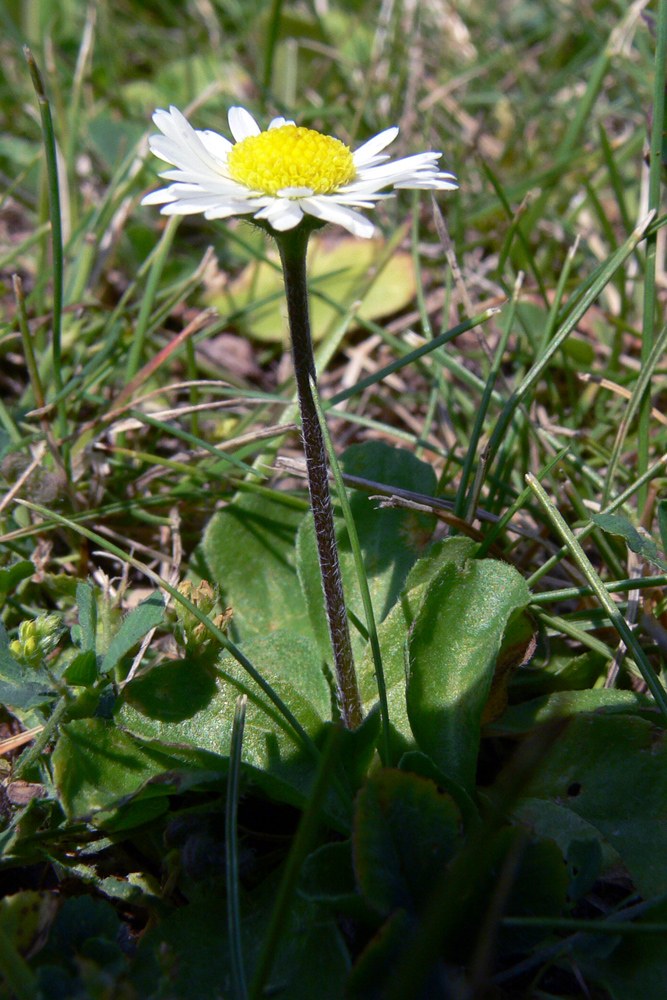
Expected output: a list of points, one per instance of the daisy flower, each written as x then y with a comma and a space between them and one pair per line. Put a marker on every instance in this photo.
281, 174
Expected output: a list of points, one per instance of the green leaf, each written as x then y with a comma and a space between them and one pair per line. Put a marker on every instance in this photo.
83, 940
538, 890
391, 539
455, 550
452, 653
85, 599
612, 772
9, 667
171, 691
96, 767
249, 548
373, 972
564, 827
638, 542
662, 523
561, 672
190, 951
584, 862
525, 716
419, 763
145, 616
12, 576
78, 921
328, 874
272, 756
82, 671
393, 635
356, 748
26, 917
25, 695
405, 831
636, 969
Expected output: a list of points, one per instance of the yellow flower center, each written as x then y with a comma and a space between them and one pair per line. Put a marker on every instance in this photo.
291, 157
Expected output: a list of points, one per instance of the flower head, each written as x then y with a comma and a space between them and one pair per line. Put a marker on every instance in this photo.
281, 174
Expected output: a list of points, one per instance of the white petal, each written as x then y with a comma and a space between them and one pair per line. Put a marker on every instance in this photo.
159, 197
281, 213
363, 188
279, 122
428, 184
191, 206
242, 124
223, 211
406, 165
373, 162
163, 121
215, 144
358, 201
330, 211
215, 185
419, 171
181, 154
177, 128
295, 192
369, 149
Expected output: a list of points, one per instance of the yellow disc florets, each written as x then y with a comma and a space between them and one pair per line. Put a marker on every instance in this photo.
291, 157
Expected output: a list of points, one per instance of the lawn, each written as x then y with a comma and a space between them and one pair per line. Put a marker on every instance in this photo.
463, 794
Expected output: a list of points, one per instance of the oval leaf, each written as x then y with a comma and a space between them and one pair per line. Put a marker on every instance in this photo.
452, 654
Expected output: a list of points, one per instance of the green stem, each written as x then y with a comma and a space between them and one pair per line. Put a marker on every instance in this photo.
361, 577
292, 246
27, 759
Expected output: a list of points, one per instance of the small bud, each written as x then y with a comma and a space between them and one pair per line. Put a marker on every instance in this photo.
204, 597
38, 637
222, 621
30, 648
27, 629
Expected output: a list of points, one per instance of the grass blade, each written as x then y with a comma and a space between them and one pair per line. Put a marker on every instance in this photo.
232, 853
56, 227
600, 591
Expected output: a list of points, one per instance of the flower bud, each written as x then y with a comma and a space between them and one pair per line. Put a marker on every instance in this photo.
38, 637
204, 597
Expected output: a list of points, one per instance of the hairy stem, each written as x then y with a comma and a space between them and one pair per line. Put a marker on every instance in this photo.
292, 246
